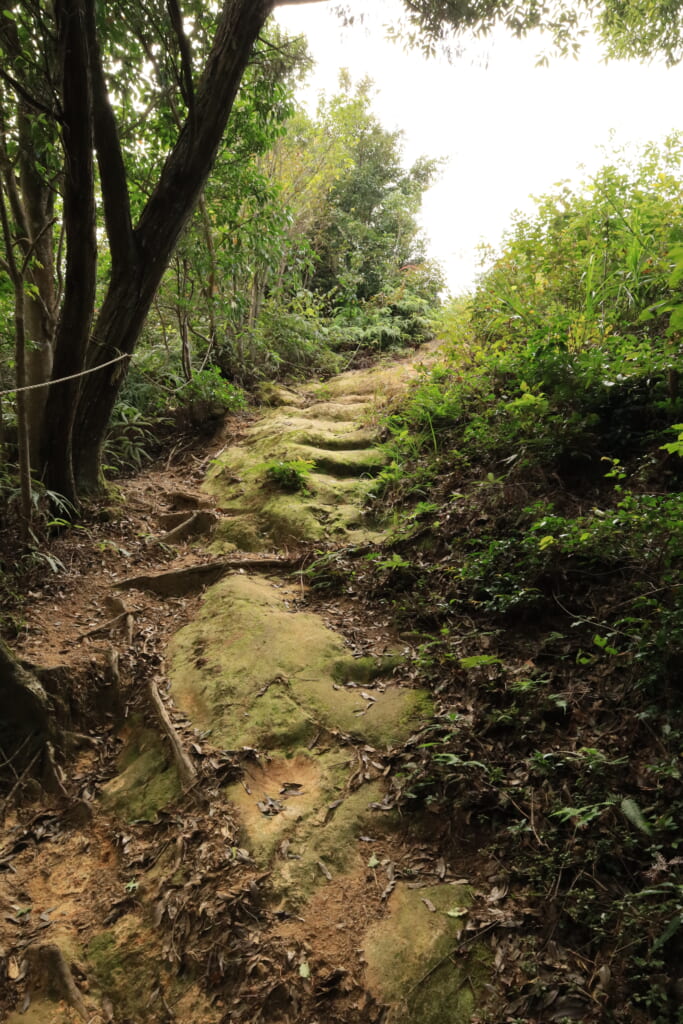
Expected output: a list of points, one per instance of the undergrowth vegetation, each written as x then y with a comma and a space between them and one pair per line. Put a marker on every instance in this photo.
535, 565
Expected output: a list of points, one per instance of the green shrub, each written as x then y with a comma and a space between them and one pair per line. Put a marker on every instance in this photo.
288, 476
290, 340
208, 395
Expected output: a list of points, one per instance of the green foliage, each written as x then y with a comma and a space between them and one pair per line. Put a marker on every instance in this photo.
367, 233
626, 28
290, 340
539, 500
586, 358
304, 255
132, 438
590, 265
207, 395
156, 397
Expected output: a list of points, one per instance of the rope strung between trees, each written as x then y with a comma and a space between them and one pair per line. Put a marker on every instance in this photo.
60, 380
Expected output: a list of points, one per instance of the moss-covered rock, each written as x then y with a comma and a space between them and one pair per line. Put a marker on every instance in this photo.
128, 966
255, 673
337, 434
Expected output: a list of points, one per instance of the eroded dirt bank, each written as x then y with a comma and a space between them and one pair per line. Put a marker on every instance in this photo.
259, 874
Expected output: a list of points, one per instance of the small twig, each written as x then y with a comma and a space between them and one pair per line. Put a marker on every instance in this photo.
590, 622
278, 679
7, 762
19, 779
435, 967
530, 818
109, 625
53, 771
638, 597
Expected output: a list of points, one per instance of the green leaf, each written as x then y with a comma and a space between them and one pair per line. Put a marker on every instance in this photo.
304, 970
633, 813
671, 929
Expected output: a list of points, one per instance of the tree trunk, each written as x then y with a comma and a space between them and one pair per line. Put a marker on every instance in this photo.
27, 718
38, 194
138, 268
81, 256
23, 434
15, 270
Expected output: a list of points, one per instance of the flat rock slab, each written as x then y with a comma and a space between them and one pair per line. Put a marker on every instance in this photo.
297, 818
254, 672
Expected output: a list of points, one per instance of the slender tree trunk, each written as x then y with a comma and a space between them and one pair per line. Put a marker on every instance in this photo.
183, 316
23, 435
212, 283
81, 248
38, 195
15, 271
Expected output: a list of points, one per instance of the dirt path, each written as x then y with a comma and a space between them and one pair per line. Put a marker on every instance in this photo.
268, 880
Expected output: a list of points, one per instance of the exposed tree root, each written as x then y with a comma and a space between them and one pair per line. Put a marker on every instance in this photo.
186, 770
28, 728
50, 973
125, 619
198, 524
179, 582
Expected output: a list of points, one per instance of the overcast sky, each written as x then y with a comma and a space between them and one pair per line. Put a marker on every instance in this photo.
507, 128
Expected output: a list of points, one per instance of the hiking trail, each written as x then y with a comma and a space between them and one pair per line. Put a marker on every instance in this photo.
228, 851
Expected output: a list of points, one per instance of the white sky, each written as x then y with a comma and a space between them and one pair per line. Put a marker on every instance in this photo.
508, 129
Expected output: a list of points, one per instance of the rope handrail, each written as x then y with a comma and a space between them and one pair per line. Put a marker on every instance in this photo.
61, 380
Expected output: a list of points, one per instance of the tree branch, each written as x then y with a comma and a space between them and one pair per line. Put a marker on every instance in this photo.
27, 97
190, 161
115, 195
187, 83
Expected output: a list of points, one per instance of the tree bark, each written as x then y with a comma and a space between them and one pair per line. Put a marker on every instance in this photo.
31, 194
16, 272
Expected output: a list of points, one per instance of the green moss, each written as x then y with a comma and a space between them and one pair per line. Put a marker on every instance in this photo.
330, 838
127, 965
341, 438
147, 780
419, 708
344, 459
321, 777
104, 956
411, 958
290, 517
255, 673
365, 670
